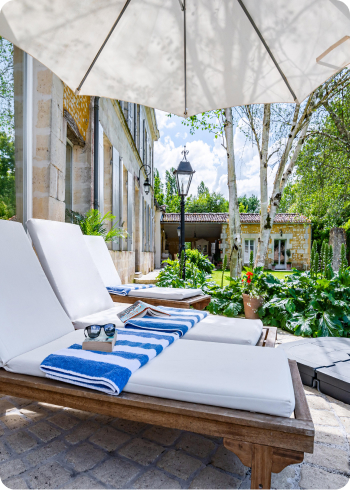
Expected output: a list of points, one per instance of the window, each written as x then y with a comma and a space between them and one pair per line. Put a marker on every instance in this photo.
69, 177
249, 246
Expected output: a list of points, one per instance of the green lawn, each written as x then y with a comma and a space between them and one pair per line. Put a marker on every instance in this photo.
216, 275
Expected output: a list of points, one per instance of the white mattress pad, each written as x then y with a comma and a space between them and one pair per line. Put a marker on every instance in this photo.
166, 293
215, 328
231, 376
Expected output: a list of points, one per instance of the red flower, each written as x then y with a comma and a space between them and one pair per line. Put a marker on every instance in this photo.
249, 274
249, 280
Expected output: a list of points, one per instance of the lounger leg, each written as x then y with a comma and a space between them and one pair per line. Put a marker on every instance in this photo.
263, 460
261, 466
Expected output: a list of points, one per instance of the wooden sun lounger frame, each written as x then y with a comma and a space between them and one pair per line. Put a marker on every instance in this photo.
197, 302
266, 443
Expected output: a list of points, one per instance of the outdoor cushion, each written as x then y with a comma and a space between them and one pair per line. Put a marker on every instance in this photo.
103, 260
228, 330
166, 293
30, 314
110, 277
200, 372
67, 263
226, 375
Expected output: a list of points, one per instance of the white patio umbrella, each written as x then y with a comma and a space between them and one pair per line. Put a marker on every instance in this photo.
184, 56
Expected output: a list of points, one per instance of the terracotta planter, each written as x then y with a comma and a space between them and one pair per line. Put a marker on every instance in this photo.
251, 305
289, 267
272, 267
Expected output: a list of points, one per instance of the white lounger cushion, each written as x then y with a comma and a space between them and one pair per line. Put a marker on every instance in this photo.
103, 260
166, 293
227, 330
68, 265
231, 376
110, 277
30, 313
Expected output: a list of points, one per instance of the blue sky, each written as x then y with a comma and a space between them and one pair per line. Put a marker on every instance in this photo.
207, 157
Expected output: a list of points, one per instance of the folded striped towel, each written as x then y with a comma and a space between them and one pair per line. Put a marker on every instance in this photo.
106, 371
180, 321
125, 289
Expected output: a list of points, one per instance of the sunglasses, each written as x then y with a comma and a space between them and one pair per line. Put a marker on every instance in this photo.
94, 331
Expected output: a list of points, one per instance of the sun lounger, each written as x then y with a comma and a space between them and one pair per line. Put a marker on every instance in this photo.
157, 296
215, 389
67, 262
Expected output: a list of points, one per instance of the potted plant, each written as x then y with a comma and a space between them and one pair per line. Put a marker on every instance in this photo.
289, 262
273, 265
253, 296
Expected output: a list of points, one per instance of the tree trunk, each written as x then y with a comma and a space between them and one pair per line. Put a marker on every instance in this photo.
283, 173
264, 221
234, 217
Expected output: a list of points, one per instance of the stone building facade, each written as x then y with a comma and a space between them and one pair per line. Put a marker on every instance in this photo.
59, 167
209, 232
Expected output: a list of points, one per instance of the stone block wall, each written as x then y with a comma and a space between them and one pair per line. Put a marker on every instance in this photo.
125, 264
146, 262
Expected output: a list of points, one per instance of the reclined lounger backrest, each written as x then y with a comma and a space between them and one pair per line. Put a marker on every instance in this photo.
30, 313
69, 267
103, 260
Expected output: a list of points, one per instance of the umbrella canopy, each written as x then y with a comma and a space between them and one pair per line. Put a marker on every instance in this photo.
185, 56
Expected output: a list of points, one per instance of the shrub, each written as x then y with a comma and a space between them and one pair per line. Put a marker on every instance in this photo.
171, 276
93, 223
200, 260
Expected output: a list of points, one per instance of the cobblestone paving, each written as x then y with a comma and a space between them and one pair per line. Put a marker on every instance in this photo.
45, 446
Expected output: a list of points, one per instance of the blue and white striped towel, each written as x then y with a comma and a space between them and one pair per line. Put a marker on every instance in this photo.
180, 321
125, 289
106, 371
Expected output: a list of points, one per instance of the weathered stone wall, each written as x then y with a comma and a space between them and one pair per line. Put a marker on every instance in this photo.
337, 237
125, 264
297, 236
146, 262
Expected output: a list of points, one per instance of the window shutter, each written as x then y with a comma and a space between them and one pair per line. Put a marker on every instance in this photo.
143, 224
130, 209
130, 116
116, 195
121, 198
147, 228
144, 142
151, 232
100, 169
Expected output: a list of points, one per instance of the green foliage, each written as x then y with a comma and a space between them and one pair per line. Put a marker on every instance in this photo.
171, 276
343, 259
7, 176
200, 260
310, 307
172, 199
249, 204
206, 202
251, 259
6, 87
93, 223
224, 265
158, 188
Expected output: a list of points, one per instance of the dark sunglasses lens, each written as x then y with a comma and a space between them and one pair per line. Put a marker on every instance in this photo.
109, 329
93, 331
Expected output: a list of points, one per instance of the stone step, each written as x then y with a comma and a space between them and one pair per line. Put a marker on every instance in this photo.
150, 278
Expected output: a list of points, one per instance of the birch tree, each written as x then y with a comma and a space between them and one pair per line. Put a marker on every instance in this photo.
220, 123
279, 132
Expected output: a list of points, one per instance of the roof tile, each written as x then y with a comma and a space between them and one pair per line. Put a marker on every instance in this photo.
223, 217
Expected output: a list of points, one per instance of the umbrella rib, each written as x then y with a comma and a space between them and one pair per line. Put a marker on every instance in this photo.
268, 49
185, 59
103, 45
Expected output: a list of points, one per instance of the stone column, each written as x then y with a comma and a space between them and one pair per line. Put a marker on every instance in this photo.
337, 236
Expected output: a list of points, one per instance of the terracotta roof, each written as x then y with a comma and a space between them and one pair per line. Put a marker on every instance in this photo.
223, 217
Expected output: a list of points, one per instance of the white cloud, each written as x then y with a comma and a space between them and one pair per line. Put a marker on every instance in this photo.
209, 160
163, 120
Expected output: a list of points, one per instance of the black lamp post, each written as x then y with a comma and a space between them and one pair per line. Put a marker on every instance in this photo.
184, 174
178, 229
